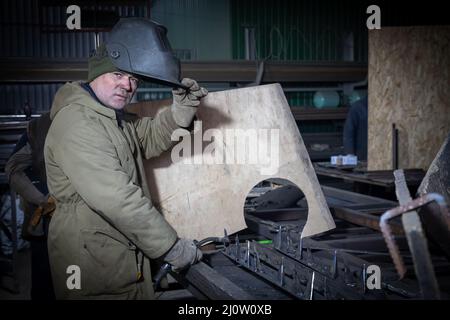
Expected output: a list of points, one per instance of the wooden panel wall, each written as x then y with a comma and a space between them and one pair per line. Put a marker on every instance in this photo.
409, 85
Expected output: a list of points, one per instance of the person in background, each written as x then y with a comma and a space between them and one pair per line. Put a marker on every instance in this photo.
355, 130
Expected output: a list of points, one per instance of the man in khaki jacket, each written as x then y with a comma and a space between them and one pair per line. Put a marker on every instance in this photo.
105, 229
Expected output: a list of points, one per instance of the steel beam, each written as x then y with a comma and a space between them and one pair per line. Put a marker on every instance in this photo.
200, 278
364, 219
32, 70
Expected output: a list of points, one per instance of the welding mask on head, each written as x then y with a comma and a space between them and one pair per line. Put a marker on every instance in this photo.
140, 46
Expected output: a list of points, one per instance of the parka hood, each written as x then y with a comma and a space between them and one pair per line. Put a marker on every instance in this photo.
74, 93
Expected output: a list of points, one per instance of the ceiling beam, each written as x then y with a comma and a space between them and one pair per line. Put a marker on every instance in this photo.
31, 70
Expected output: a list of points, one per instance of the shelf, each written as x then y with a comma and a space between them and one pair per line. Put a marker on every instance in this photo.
308, 114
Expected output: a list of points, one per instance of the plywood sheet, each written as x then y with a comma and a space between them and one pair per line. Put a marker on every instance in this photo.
409, 85
199, 199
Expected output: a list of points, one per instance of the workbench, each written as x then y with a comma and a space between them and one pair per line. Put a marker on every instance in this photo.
379, 182
329, 266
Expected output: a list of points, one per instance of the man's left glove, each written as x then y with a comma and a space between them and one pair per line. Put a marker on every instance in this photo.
183, 254
185, 102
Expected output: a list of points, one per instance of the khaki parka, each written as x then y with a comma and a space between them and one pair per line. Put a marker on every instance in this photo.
105, 228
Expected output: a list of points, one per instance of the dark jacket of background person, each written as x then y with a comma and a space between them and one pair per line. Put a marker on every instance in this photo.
355, 130
25, 171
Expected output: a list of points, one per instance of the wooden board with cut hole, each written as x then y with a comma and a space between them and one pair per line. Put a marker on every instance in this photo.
201, 200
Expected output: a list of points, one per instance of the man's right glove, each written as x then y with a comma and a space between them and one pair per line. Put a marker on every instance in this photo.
183, 254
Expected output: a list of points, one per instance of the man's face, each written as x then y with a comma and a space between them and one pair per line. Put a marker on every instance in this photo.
115, 89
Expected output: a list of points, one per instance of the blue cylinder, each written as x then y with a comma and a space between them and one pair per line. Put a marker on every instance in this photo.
326, 99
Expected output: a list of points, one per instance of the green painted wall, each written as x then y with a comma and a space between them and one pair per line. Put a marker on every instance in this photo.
310, 30
201, 27
301, 30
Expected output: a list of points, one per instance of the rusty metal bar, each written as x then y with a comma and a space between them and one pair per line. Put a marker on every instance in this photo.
390, 242
416, 238
364, 219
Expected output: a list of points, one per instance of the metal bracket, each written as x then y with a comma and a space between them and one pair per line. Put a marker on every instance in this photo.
416, 239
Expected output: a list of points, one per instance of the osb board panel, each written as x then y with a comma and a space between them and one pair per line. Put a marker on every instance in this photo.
199, 199
409, 85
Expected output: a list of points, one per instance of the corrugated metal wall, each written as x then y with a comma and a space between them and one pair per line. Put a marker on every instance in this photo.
21, 35
39, 96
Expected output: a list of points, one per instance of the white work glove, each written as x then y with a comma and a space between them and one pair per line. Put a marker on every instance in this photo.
185, 102
183, 254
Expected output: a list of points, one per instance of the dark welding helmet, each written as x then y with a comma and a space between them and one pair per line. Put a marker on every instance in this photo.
140, 46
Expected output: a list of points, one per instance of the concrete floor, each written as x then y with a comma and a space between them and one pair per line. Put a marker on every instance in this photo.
22, 283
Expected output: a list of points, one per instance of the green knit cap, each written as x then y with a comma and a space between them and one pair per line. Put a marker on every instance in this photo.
100, 63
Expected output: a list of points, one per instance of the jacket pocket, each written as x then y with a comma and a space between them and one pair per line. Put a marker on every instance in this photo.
126, 158
108, 263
